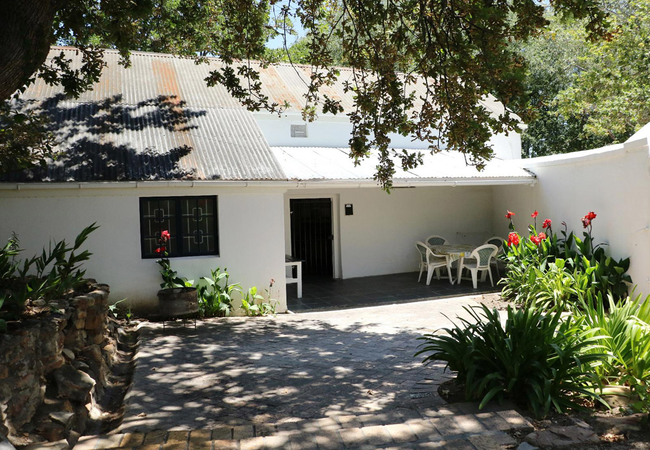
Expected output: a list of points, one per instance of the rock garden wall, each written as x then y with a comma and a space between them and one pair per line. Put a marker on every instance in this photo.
54, 368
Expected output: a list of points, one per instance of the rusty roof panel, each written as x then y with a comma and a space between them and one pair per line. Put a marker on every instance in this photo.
150, 74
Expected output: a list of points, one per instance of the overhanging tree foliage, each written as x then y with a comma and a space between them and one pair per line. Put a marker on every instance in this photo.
459, 50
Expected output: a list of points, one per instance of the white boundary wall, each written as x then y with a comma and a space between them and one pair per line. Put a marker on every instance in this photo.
251, 226
613, 181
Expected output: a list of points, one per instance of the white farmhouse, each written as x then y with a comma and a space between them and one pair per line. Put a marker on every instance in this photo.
152, 148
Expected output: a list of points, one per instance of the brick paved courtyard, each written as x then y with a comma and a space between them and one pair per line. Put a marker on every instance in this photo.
235, 371
335, 379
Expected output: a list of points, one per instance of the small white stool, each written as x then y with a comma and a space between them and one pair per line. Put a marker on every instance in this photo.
290, 263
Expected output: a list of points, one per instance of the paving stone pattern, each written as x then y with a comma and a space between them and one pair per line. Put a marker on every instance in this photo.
336, 379
448, 432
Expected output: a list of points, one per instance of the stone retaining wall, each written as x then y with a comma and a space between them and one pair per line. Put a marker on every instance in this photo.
63, 355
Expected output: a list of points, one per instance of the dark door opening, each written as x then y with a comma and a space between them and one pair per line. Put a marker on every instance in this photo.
311, 235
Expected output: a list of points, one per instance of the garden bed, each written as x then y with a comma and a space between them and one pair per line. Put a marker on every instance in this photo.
619, 428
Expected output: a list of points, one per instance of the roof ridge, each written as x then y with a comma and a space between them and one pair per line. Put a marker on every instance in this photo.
487, 102
210, 58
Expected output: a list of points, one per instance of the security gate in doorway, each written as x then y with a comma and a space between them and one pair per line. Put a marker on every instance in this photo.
311, 235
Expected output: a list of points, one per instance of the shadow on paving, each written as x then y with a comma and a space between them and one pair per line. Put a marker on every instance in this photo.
235, 371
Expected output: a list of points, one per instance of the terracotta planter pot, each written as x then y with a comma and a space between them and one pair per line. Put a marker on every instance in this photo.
178, 302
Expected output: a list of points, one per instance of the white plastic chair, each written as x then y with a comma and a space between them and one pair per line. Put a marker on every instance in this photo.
435, 240
498, 242
432, 262
479, 261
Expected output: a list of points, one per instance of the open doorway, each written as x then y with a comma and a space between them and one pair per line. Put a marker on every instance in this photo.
311, 236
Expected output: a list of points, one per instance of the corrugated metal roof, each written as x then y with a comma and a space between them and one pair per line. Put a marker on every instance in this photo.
154, 73
317, 163
155, 120
285, 82
159, 120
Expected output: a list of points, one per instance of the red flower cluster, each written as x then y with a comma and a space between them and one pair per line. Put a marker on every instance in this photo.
513, 239
547, 223
586, 220
509, 215
164, 237
538, 239
534, 215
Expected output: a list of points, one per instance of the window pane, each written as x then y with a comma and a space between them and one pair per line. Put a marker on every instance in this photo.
158, 215
198, 225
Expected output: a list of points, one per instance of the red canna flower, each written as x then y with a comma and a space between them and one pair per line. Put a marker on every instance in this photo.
536, 239
161, 249
165, 236
547, 223
586, 220
509, 215
534, 215
513, 239
542, 235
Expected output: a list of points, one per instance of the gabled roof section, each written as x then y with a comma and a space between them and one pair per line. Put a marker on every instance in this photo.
156, 120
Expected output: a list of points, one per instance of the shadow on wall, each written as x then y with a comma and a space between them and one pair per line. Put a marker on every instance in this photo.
112, 141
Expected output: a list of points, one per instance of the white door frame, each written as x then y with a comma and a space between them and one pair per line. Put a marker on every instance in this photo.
336, 226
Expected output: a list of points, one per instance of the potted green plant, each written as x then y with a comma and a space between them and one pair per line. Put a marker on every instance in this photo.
177, 298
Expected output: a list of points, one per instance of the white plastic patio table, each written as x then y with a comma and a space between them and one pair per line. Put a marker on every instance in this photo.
290, 262
454, 251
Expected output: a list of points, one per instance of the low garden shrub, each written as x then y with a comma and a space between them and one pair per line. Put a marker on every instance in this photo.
540, 361
254, 304
216, 294
623, 333
53, 274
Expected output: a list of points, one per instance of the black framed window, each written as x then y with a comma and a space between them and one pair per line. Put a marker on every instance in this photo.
191, 221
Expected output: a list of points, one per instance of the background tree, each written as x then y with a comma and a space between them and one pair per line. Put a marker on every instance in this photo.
459, 50
613, 90
585, 94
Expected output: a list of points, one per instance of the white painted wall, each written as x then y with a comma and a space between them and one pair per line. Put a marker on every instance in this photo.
614, 182
380, 237
334, 131
251, 226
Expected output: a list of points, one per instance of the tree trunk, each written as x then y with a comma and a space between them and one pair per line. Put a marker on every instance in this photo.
25, 39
